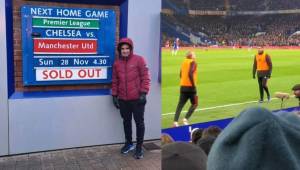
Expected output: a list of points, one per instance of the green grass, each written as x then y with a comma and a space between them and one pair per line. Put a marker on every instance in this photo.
225, 77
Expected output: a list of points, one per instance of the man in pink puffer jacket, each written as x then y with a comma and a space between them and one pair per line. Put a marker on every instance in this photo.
130, 85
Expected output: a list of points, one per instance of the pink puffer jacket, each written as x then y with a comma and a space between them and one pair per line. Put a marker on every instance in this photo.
130, 75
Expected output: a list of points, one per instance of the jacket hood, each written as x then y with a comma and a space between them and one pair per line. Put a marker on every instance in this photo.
125, 41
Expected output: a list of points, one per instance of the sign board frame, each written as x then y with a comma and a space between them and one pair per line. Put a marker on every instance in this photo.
93, 28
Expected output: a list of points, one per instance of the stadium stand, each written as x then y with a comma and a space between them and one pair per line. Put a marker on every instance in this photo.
207, 5
172, 30
182, 6
178, 6
235, 28
262, 5
273, 30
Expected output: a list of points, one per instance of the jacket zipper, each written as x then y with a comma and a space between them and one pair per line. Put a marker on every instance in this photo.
126, 77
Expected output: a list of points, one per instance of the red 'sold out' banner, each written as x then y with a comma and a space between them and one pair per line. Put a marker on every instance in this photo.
65, 46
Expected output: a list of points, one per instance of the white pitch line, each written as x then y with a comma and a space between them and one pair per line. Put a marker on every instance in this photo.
221, 106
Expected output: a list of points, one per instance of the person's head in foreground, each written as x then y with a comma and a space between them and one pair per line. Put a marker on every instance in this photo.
206, 143
212, 131
257, 139
182, 155
166, 138
196, 134
296, 90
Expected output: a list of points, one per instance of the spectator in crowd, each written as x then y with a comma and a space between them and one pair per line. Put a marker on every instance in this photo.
166, 139
258, 139
212, 131
196, 134
206, 143
182, 155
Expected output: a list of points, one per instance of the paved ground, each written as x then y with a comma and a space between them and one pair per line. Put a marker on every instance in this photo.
88, 158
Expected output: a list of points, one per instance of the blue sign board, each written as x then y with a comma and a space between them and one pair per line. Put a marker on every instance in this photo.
67, 45
183, 133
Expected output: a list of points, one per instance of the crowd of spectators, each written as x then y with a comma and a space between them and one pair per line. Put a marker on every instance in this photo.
255, 139
263, 5
234, 5
273, 30
198, 148
207, 5
177, 6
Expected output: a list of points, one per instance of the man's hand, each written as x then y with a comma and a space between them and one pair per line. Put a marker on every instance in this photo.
116, 102
142, 99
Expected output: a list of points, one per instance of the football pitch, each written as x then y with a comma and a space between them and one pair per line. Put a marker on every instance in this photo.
225, 85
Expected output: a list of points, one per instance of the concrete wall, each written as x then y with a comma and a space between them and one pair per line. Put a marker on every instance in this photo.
38, 124
62, 122
144, 29
3, 85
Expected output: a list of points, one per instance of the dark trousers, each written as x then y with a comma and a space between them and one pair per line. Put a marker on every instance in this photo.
262, 83
127, 110
184, 97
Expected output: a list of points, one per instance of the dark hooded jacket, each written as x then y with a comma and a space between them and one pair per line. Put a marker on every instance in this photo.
130, 75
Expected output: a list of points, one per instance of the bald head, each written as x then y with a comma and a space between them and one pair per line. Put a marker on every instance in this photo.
191, 54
